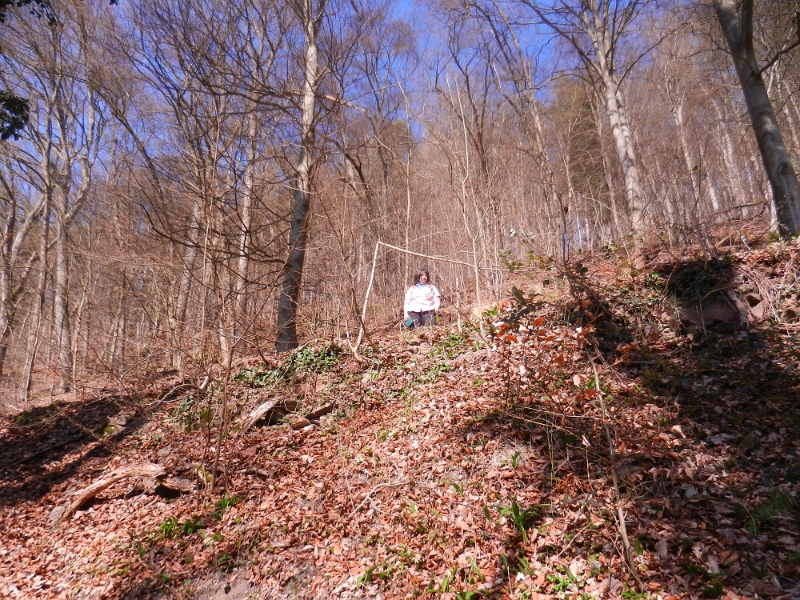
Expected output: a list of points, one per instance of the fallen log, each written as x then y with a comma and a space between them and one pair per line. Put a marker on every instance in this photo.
320, 412
178, 484
173, 391
140, 470
262, 410
255, 416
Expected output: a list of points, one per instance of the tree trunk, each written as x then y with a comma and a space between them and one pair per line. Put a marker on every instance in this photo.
623, 142
61, 296
286, 338
177, 320
734, 176
614, 105
6, 305
37, 309
737, 26
245, 214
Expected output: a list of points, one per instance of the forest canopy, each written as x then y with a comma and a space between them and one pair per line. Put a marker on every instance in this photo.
194, 179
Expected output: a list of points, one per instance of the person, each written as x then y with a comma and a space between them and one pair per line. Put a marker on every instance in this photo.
422, 301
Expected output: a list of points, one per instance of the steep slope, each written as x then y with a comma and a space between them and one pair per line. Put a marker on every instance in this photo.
631, 438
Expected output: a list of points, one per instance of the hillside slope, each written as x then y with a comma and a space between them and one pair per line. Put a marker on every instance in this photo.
635, 435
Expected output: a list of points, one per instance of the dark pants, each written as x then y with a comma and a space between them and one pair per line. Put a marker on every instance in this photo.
422, 319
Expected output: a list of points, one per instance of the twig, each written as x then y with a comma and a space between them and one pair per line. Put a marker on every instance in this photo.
256, 471
172, 391
569, 543
623, 530
372, 491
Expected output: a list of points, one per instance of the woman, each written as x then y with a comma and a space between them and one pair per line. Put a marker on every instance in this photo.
422, 301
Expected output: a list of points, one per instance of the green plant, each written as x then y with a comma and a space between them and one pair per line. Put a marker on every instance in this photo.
184, 413
454, 343
513, 266
515, 459
469, 595
780, 505
314, 360
435, 372
610, 249
224, 503
444, 586
259, 376
520, 518
713, 590
656, 281
192, 525
382, 571
493, 311
365, 577
34, 415
224, 561
191, 413
560, 582
170, 528
518, 564
712, 587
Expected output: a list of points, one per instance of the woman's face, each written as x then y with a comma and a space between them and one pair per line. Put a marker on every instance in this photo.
423, 278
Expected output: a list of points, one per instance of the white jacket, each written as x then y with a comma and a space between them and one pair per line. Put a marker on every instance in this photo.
421, 298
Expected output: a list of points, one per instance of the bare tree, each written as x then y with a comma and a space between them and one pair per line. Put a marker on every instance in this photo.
736, 21
595, 30
66, 131
310, 14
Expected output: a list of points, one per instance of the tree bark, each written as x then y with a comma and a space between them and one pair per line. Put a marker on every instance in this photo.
737, 26
614, 105
245, 214
734, 176
37, 309
63, 331
286, 338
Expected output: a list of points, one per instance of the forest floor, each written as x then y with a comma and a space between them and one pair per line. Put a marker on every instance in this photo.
632, 432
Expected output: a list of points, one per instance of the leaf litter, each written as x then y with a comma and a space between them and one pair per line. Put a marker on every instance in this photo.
444, 472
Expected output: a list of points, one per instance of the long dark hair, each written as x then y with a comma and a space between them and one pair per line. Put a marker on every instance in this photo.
420, 273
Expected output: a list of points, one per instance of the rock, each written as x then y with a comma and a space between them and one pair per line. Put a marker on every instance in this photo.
298, 422
752, 298
716, 310
327, 421
55, 515
758, 311
320, 411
